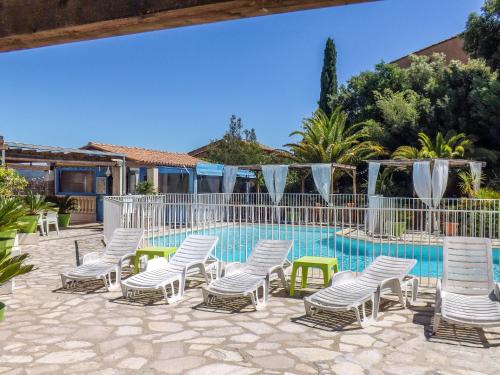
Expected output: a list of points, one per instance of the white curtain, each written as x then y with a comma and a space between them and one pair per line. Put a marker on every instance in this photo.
229, 179
476, 170
268, 173
439, 181
422, 181
275, 179
280, 174
373, 169
322, 175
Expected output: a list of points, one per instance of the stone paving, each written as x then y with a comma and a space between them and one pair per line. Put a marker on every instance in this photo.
90, 331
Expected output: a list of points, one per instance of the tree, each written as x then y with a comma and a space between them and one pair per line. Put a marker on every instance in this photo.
238, 146
451, 146
329, 85
430, 97
482, 34
11, 182
328, 139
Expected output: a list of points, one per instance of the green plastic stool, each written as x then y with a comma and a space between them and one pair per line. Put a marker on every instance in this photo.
323, 263
152, 252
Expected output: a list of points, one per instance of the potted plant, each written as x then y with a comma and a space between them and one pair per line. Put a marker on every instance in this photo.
36, 205
398, 224
66, 205
145, 188
10, 267
11, 212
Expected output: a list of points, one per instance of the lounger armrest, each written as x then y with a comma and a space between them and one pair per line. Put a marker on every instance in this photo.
497, 291
127, 259
231, 268
387, 282
439, 296
341, 277
91, 257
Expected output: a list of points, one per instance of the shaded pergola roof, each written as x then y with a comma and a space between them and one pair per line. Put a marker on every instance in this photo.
18, 152
350, 170
258, 167
456, 163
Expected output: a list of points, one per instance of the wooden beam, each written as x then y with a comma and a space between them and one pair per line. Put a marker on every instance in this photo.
29, 24
61, 162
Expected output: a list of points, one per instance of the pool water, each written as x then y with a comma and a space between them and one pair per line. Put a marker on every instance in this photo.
236, 243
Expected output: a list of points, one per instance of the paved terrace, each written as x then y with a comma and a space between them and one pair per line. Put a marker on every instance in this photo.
49, 331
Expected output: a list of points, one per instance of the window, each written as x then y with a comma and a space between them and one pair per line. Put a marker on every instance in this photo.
76, 181
173, 183
209, 184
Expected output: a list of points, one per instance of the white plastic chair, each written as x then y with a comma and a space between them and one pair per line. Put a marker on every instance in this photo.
41, 224
467, 294
119, 252
348, 292
191, 258
240, 280
51, 219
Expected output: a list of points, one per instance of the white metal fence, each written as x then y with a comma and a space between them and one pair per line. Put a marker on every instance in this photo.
352, 228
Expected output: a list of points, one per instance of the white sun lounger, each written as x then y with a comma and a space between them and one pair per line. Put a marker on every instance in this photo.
467, 293
241, 280
118, 253
348, 292
190, 258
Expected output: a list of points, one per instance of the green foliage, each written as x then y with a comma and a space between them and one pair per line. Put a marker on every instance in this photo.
66, 203
12, 266
329, 85
11, 211
482, 34
487, 193
428, 96
11, 182
145, 188
451, 146
238, 146
328, 139
37, 204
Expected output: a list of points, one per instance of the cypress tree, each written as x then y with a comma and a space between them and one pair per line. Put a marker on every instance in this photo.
329, 86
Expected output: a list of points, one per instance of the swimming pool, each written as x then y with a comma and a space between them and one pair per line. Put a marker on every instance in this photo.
236, 243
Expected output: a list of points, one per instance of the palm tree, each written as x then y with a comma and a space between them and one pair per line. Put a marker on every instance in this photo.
451, 146
330, 140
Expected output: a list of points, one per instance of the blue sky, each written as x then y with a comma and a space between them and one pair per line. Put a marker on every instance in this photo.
176, 89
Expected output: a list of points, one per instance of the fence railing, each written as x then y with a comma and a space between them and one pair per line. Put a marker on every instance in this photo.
351, 228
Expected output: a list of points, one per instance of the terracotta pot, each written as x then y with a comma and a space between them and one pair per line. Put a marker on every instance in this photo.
449, 228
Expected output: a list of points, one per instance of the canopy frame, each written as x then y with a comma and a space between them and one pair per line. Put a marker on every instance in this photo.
350, 170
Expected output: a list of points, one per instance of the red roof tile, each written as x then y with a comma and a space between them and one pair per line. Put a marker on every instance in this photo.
146, 156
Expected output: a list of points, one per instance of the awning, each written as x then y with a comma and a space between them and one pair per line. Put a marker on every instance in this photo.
209, 169
217, 170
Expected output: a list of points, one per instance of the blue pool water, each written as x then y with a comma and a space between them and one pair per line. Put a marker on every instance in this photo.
236, 243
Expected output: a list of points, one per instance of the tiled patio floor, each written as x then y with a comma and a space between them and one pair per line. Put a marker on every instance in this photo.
49, 331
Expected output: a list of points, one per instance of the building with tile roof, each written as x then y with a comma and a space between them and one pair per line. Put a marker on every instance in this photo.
452, 48
143, 156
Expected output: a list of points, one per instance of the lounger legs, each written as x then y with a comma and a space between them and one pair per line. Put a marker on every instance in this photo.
180, 290
254, 296
435, 326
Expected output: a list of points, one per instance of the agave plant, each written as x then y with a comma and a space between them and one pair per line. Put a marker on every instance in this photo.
11, 212
36, 204
12, 266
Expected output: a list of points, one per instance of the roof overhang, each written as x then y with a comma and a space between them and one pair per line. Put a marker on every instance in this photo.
17, 152
29, 24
